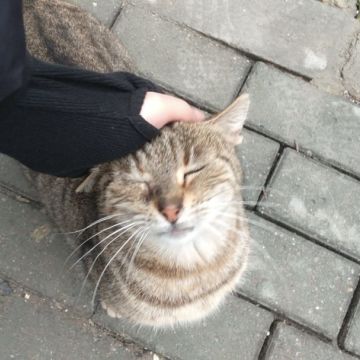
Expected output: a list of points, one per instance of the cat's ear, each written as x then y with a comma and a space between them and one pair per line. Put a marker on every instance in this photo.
231, 120
87, 185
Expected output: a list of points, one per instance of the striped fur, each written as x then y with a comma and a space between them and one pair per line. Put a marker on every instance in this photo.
143, 270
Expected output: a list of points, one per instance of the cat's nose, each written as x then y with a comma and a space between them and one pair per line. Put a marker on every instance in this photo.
171, 213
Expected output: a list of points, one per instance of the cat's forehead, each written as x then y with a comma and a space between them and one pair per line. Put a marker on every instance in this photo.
177, 147
186, 142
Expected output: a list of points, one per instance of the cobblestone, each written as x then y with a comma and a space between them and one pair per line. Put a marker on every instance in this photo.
239, 328
59, 335
32, 253
278, 31
292, 110
290, 343
181, 60
295, 277
316, 200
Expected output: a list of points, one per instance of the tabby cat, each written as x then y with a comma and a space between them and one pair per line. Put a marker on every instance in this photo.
165, 238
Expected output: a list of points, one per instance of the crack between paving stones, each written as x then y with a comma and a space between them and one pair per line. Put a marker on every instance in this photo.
19, 196
18, 289
273, 168
117, 15
243, 83
308, 153
242, 52
348, 55
281, 317
268, 340
355, 301
59, 305
321, 241
127, 342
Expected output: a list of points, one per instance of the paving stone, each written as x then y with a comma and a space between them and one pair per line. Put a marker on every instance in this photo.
103, 10
12, 176
237, 331
291, 109
33, 253
298, 278
352, 340
33, 329
316, 200
290, 343
182, 60
257, 154
279, 31
347, 5
351, 71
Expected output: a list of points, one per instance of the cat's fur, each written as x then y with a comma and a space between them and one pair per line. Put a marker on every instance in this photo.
178, 274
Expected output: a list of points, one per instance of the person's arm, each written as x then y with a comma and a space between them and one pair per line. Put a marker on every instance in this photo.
67, 120
12, 48
63, 120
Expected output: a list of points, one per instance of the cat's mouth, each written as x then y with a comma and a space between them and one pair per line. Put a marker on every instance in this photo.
177, 230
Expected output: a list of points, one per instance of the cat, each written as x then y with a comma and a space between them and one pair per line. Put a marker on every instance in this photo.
164, 237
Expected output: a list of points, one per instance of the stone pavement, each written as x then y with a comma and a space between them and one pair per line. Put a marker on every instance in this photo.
300, 62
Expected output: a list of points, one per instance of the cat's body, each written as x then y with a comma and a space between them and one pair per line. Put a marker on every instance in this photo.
174, 241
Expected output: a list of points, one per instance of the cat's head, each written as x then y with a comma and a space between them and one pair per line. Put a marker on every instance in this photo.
178, 184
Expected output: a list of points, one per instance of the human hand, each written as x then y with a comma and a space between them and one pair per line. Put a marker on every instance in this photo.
160, 109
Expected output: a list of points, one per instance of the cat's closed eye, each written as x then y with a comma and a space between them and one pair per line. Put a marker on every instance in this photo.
188, 175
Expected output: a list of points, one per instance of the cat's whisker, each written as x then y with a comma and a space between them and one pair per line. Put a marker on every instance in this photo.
139, 243
121, 231
91, 237
247, 202
108, 264
239, 217
97, 256
92, 224
262, 188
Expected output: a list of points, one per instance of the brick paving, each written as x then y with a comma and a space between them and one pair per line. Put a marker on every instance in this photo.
300, 299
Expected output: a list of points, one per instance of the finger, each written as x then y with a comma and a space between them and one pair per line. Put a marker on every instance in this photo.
198, 114
185, 112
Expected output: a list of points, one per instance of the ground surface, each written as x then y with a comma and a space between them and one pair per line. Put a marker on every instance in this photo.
300, 62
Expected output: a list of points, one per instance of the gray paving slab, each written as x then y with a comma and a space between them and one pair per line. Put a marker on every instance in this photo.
347, 5
181, 60
31, 328
291, 343
317, 200
257, 154
279, 31
351, 71
297, 278
12, 177
103, 10
33, 253
352, 340
292, 110
237, 331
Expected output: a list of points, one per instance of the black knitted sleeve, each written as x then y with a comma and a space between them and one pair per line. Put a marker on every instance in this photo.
67, 120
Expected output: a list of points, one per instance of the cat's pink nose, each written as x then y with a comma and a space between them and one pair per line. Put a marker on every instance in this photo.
171, 213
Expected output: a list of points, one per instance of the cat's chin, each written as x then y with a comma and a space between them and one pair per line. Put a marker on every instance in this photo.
176, 233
